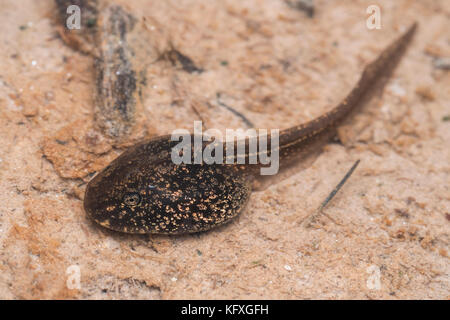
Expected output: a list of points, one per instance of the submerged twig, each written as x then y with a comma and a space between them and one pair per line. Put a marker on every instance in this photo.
177, 58
309, 219
113, 37
240, 115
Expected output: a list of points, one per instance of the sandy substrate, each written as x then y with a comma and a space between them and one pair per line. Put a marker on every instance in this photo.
388, 236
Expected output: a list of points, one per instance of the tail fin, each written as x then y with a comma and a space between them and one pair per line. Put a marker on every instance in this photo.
382, 66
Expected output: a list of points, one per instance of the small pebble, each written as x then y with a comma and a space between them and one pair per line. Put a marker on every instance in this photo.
442, 63
385, 109
306, 6
288, 268
397, 90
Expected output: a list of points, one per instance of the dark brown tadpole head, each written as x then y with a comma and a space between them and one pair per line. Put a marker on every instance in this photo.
143, 191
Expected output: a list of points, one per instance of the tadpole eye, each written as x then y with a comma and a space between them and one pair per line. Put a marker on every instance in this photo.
132, 199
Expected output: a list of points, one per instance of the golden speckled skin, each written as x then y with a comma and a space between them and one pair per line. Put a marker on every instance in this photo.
143, 191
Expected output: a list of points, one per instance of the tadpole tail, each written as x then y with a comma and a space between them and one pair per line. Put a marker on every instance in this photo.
381, 67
